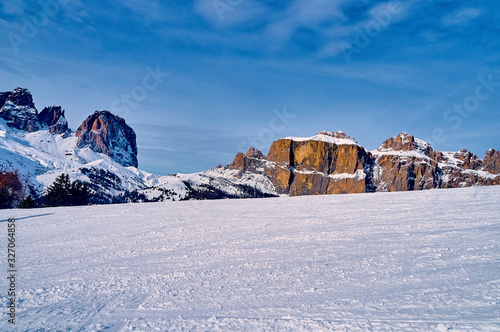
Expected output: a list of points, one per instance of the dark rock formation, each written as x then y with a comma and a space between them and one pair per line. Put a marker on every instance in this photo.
53, 117
19, 97
106, 133
18, 110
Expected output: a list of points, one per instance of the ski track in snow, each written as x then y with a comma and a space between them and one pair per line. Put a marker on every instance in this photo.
415, 261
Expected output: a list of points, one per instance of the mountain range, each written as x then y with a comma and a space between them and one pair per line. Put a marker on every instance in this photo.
103, 153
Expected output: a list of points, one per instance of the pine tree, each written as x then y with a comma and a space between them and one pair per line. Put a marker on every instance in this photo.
80, 193
28, 203
58, 194
65, 193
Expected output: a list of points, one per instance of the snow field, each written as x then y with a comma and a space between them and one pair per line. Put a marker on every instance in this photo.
413, 261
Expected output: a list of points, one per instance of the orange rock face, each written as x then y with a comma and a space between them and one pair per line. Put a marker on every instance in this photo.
106, 133
491, 161
333, 163
312, 167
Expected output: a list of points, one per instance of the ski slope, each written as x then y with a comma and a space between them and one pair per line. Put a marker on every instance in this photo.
407, 261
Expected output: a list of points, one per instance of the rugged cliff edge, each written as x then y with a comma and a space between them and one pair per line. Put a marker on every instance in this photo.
334, 163
18, 110
106, 133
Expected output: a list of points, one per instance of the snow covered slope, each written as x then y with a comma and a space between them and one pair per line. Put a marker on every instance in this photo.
337, 138
41, 156
406, 261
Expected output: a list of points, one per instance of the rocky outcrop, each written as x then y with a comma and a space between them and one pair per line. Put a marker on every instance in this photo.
333, 163
405, 142
407, 163
328, 163
18, 110
491, 162
468, 159
404, 163
106, 133
53, 117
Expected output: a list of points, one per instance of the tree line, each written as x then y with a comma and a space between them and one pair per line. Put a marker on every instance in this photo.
63, 192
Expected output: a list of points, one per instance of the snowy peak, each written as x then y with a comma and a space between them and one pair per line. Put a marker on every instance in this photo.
18, 97
106, 133
254, 153
337, 138
53, 117
406, 143
18, 110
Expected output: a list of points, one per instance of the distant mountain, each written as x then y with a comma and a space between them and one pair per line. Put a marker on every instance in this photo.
103, 153
334, 163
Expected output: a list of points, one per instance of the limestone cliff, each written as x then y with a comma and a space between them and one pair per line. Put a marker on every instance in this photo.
334, 163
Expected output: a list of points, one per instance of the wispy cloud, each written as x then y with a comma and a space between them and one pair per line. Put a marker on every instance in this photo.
12, 7
231, 71
149, 10
461, 16
309, 14
378, 18
222, 13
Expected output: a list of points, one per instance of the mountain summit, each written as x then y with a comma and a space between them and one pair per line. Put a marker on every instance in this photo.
18, 110
106, 133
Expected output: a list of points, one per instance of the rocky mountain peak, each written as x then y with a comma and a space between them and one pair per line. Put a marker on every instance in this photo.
469, 160
330, 137
106, 133
405, 142
254, 153
19, 97
53, 117
18, 110
338, 135
491, 162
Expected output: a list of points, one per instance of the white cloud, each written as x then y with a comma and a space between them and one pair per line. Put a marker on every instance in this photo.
13, 7
397, 10
149, 10
381, 15
461, 16
225, 13
309, 14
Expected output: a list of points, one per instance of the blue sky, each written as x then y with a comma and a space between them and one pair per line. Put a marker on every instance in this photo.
228, 74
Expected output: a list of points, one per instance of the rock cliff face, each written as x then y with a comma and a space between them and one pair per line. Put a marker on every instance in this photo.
53, 117
106, 133
328, 163
18, 110
103, 132
333, 163
405, 163
491, 162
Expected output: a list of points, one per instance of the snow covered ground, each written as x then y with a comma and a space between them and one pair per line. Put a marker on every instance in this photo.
408, 261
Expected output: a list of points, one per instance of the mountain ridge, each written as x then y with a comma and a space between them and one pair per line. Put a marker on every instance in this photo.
103, 152
322, 165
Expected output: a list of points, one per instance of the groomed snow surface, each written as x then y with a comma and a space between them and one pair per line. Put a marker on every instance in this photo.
414, 261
